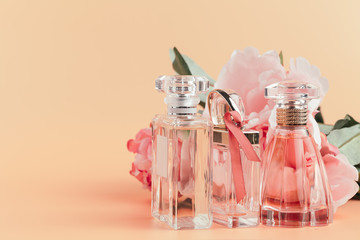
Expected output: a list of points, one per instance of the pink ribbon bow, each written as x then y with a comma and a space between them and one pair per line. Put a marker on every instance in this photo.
237, 139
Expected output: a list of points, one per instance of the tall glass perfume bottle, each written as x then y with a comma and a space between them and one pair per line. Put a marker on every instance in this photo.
228, 208
294, 189
182, 166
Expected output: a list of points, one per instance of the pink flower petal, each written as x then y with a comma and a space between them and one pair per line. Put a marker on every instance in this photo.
142, 163
341, 176
326, 147
143, 176
143, 133
144, 145
132, 145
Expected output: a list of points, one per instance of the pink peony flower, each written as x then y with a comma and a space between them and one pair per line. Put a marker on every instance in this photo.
248, 73
341, 174
142, 147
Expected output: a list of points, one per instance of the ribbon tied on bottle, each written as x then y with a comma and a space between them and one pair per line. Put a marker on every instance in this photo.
238, 139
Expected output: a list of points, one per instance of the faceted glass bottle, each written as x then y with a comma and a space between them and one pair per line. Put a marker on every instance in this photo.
295, 190
228, 209
182, 166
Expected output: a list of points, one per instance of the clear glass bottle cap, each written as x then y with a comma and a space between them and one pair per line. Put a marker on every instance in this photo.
182, 84
292, 90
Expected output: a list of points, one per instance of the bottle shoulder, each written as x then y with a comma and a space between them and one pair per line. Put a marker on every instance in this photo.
182, 121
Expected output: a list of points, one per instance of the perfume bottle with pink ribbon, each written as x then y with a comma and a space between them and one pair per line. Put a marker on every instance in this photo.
236, 163
294, 190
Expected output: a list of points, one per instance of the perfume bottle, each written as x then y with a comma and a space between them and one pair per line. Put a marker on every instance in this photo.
182, 166
230, 209
294, 189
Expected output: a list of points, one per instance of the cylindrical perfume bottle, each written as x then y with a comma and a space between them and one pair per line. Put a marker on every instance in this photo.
294, 189
230, 209
182, 167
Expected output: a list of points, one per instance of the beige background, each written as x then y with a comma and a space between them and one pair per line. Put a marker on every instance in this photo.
77, 81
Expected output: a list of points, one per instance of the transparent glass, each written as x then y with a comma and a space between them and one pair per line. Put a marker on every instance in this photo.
226, 208
295, 190
182, 171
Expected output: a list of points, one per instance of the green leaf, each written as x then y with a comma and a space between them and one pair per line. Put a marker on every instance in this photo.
348, 121
194, 68
202, 103
281, 58
318, 117
357, 195
348, 141
179, 64
324, 128
358, 168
